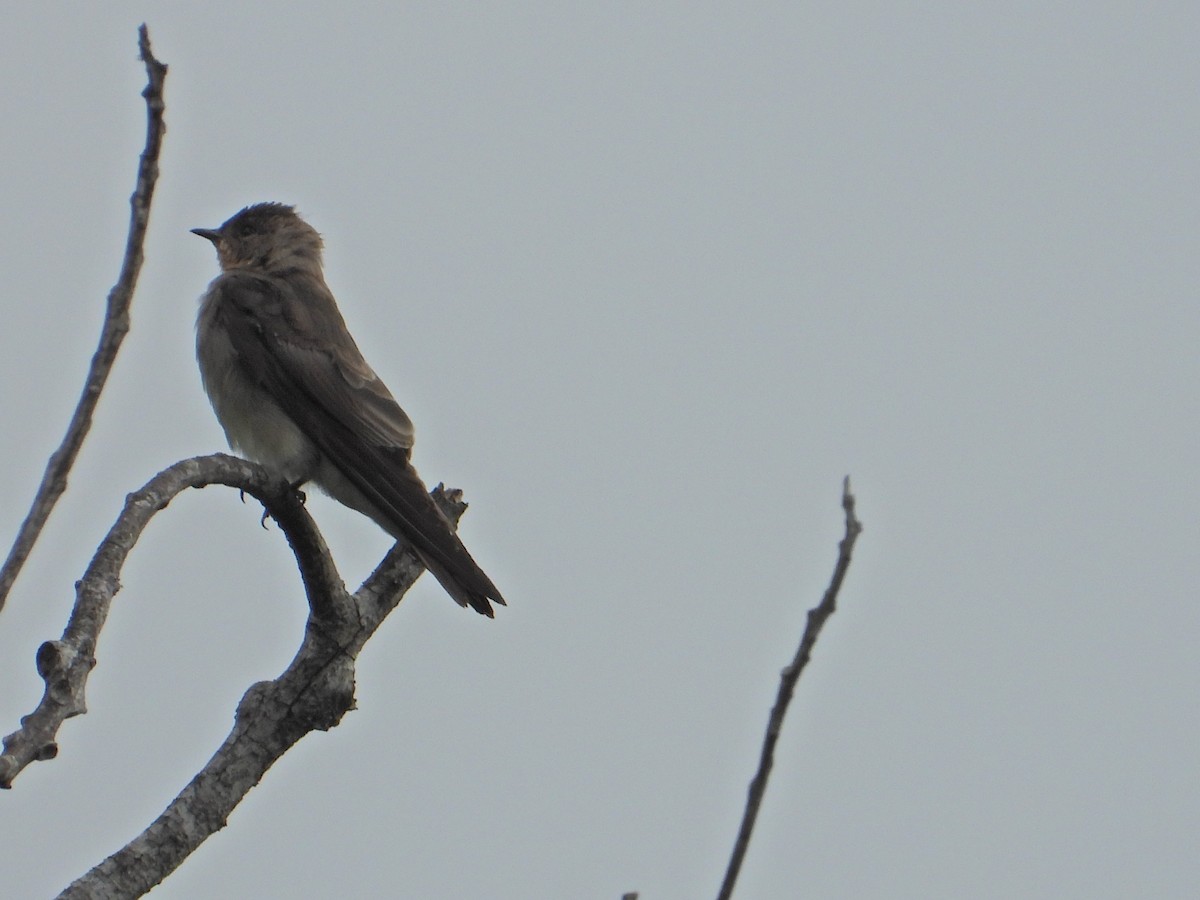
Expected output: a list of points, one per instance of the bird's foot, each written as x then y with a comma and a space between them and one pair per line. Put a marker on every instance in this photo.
300, 495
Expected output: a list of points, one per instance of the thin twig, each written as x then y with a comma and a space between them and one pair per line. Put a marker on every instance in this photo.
112, 333
817, 617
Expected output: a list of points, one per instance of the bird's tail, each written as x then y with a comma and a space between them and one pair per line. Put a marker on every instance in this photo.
468, 586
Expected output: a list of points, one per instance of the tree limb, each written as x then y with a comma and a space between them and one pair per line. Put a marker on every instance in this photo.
817, 617
65, 664
313, 693
112, 332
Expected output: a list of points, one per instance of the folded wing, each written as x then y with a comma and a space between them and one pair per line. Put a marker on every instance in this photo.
302, 355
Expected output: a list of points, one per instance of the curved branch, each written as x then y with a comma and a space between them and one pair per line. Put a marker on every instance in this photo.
65, 664
112, 333
314, 692
817, 616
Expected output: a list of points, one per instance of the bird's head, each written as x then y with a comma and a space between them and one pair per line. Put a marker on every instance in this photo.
268, 236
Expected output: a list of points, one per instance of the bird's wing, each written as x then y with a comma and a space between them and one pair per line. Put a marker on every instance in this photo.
299, 352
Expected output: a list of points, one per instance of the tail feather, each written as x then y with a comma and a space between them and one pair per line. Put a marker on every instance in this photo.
398, 500
464, 595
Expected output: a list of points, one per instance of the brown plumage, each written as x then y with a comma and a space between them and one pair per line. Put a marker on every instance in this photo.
292, 390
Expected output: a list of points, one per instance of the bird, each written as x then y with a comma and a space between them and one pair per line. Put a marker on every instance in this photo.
293, 392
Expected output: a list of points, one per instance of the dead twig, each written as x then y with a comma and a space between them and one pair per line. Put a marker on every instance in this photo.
817, 616
112, 333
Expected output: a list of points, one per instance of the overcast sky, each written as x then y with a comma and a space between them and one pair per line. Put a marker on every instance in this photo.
650, 279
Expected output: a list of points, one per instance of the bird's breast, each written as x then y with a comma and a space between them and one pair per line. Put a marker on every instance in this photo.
255, 425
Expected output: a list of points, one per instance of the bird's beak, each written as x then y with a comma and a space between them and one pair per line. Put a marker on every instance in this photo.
208, 233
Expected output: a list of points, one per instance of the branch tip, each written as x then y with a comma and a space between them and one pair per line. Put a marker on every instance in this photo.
112, 331
788, 678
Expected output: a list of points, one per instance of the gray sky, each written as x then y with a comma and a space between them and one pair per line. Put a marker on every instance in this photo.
649, 282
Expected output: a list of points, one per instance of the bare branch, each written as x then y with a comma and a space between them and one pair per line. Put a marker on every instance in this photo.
817, 617
66, 663
112, 333
315, 691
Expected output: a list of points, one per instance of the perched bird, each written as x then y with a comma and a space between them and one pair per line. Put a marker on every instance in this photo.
293, 392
